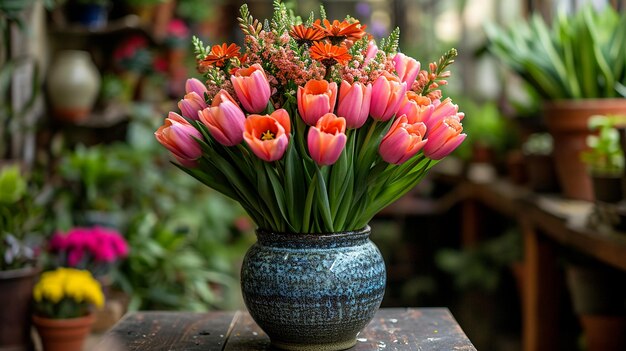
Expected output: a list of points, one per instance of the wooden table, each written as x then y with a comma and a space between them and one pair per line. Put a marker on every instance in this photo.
424, 329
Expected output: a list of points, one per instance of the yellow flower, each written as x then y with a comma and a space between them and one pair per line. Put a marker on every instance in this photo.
77, 285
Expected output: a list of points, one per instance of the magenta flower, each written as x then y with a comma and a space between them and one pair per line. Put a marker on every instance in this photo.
327, 139
252, 88
407, 68
402, 141
224, 119
387, 94
177, 135
354, 103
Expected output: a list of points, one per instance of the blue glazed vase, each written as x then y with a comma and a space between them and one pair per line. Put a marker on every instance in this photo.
313, 291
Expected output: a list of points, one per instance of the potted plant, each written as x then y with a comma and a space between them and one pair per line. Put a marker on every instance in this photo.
64, 299
605, 159
578, 68
18, 267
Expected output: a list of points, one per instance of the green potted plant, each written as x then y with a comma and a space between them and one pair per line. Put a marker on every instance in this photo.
578, 66
605, 159
17, 259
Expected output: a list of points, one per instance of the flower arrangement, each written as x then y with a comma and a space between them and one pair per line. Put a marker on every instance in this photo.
96, 249
315, 127
66, 293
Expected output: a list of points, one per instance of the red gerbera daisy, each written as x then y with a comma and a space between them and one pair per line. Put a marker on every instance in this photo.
219, 55
339, 31
329, 54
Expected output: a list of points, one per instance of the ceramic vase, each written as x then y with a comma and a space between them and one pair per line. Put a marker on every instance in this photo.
313, 291
63, 334
73, 85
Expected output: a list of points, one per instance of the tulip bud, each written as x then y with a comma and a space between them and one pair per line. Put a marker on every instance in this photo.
316, 99
444, 137
177, 135
327, 139
252, 88
224, 119
354, 103
387, 94
402, 141
407, 68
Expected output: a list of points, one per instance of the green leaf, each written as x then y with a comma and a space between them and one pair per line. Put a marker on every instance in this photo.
323, 205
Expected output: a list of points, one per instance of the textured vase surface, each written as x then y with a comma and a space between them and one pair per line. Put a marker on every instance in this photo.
313, 291
73, 85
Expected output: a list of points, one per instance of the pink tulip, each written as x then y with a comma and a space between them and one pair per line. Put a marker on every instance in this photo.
387, 94
177, 135
316, 99
444, 137
224, 119
191, 104
354, 103
196, 86
407, 68
417, 108
268, 136
442, 110
402, 141
327, 139
252, 88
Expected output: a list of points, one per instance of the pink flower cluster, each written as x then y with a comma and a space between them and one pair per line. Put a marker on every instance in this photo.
88, 247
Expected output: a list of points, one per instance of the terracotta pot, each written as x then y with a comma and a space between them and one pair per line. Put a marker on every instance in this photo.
16, 286
567, 121
63, 334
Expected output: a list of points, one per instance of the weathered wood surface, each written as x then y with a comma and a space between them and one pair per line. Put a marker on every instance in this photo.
423, 329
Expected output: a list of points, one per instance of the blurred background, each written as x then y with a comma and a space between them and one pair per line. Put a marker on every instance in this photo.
88, 157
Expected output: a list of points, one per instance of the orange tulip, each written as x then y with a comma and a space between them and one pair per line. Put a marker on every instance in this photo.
444, 137
252, 88
327, 139
177, 135
268, 135
316, 99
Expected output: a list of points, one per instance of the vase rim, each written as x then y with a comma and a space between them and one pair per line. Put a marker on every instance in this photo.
348, 233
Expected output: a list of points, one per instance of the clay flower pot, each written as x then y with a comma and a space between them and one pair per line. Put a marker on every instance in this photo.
63, 334
567, 122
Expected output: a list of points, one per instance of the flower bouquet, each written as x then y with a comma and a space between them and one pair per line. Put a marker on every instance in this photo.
95, 249
313, 129
63, 302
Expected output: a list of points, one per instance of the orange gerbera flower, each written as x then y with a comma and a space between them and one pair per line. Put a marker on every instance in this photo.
306, 35
219, 55
339, 31
329, 54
